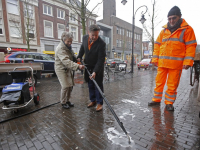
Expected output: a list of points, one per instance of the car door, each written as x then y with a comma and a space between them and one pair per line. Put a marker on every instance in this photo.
49, 61
19, 58
39, 58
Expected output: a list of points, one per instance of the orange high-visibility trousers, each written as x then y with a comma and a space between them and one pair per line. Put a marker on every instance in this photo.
173, 77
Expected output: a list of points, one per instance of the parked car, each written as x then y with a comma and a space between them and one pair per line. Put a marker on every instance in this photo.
145, 63
21, 57
112, 62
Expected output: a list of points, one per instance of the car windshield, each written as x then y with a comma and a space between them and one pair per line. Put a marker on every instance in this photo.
146, 60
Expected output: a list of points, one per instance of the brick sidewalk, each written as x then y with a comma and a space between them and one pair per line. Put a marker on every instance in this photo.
82, 128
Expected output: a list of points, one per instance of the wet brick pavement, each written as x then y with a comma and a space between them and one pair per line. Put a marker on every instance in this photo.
82, 128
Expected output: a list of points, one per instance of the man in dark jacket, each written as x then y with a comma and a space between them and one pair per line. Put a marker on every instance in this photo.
94, 49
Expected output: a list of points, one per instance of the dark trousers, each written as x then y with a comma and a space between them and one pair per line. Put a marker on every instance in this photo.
94, 93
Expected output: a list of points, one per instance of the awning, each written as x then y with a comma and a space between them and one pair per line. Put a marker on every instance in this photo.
49, 52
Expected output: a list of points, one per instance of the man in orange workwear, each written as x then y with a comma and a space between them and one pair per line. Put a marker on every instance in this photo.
174, 50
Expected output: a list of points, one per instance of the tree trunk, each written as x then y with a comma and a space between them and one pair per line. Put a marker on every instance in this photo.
83, 17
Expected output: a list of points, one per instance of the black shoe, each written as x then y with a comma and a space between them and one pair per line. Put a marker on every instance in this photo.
170, 107
66, 106
70, 104
153, 103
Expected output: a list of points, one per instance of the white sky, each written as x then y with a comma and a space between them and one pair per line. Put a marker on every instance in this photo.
190, 10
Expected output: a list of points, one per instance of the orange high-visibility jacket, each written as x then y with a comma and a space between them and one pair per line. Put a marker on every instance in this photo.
176, 49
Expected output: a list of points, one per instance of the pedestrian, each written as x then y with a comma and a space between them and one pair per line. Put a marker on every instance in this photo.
94, 49
65, 66
174, 50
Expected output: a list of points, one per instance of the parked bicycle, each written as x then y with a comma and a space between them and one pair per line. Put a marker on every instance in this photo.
194, 72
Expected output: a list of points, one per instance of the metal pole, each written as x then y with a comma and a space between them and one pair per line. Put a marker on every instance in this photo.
133, 36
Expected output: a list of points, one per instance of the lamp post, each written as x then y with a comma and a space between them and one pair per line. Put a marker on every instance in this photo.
142, 20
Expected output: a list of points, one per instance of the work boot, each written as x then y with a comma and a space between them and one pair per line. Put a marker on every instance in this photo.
170, 107
66, 106
99, 107
91, 104
70, 104
152, 103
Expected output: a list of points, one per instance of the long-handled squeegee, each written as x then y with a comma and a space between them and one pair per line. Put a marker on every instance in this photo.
108, 104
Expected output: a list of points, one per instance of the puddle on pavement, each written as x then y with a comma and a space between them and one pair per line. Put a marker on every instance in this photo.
119, 138
127, 114
136, 104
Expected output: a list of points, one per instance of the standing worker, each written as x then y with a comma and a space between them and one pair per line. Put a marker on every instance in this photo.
174, 50
94, 49
64, 67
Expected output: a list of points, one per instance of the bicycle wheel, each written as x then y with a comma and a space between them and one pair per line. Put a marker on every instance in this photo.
106, 75
192, 75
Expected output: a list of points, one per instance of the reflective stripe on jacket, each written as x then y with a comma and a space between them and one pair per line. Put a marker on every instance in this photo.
176, 49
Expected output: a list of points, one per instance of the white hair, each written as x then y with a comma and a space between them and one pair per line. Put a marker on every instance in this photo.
66, 35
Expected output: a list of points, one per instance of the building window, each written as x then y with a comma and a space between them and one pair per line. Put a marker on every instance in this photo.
47, 10
120, 43
15, 29
101, 32
73, 17
127, 44
91, 22
117, 30
1, 26
30, 30
28, 11
12, 7
81, 33
73, 31
49, 47
117, 41
61, 29
127, 33
48, 28
138, 37
122, 31
60, 14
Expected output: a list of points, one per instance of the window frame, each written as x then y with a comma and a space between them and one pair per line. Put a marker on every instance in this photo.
52, 29
61, 10
75, 39
47, 10
59, 37
18, 13
1, 24
14, 26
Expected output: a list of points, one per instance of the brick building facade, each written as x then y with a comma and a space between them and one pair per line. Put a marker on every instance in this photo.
51, 18
12, 25
122, 34
56, 17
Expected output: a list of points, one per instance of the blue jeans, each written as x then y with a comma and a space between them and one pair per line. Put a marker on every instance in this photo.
94, 93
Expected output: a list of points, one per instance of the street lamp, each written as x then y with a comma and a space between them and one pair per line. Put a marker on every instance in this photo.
124, 2
142, 20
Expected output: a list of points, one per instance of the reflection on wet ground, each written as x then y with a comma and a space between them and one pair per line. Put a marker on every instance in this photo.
82, 128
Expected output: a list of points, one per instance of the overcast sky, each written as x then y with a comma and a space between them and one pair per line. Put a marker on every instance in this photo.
190, 10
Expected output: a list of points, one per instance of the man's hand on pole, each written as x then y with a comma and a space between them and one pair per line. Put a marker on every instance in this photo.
93, 75
79, 60
186, 67
81, 67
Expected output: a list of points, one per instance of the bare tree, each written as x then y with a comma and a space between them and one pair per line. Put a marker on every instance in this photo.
27, 29
80, 8
153, 22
